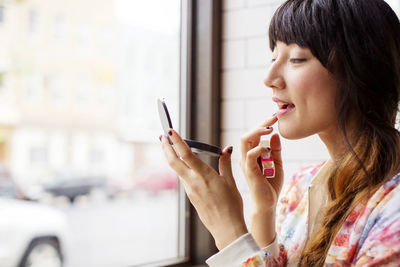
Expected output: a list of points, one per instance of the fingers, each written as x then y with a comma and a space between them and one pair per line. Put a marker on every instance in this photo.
186, 154
275, 144
225, 165
252, 165
276, 149
269, 122
173, 160
252, 139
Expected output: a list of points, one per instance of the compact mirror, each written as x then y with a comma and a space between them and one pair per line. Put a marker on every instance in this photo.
197, 147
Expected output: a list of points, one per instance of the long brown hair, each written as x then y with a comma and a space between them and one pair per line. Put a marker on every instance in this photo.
358, 41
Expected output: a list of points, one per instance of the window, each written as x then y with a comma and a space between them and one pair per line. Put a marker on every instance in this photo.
82, 34
58, 90
59, 28
38, 155
82, 94
85, 141
2, 77
1, 13
33, 88
32, 22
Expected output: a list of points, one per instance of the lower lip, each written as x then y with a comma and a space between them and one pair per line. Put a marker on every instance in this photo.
285, 111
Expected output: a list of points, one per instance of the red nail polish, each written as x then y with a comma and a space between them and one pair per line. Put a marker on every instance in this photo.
170, 132
230, 149
160, 137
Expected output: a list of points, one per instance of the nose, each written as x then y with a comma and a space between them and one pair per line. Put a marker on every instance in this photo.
274, 78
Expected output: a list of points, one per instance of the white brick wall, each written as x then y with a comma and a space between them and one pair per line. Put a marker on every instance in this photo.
245, 100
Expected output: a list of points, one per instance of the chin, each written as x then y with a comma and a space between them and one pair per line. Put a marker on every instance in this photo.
291, 133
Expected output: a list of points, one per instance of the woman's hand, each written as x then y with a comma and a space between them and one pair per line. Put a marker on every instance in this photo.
215, 196
264, 191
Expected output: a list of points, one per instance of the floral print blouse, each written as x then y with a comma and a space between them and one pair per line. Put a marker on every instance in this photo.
370, 235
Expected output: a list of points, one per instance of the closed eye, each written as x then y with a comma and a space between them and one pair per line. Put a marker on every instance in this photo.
297, 60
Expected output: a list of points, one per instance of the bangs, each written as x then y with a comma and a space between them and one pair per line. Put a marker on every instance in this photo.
305, 23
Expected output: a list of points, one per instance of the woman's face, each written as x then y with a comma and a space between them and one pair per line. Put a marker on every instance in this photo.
304, 91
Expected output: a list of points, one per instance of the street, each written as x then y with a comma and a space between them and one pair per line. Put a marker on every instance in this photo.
122, 232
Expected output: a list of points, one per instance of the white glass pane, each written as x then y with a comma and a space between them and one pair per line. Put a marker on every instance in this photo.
80, 157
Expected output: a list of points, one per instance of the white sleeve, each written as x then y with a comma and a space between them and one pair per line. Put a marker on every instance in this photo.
236, 253
273, 248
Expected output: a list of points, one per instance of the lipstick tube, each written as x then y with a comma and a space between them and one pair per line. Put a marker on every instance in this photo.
268, 167
267, 162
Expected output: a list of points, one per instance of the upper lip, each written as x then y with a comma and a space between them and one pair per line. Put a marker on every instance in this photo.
280, 102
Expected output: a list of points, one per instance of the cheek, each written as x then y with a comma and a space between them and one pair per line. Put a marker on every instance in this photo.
316, 92
314, 97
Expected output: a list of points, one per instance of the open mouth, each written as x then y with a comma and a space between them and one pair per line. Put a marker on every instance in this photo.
285, 106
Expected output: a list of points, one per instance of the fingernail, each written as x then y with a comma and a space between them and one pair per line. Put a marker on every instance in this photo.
269, 149
230, 149
160, 137
170, 132
273, 115
268, 127
265, 155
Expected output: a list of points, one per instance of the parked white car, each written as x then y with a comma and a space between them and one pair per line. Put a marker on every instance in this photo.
31, 234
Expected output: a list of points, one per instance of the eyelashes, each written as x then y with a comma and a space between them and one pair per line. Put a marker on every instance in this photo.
293, 60
297, 60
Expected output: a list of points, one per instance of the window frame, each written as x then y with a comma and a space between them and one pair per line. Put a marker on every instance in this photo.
205, 105
200, 90
200, 105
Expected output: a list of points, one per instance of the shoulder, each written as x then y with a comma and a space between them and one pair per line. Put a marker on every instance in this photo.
387, 200
380, 239
384, 212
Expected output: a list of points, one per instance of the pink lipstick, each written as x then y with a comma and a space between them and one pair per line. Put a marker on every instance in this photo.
284, 107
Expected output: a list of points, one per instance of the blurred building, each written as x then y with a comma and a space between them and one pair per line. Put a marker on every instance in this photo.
58, 89
79, 81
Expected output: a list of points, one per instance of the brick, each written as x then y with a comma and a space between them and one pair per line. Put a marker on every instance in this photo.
258, 110
233, 4
233, 54
232, 138
256, 3
258, 53
233, 26
251, 22
305, 149
242, 84
257, 21
233, 112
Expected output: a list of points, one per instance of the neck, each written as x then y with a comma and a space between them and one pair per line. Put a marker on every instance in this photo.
335, 143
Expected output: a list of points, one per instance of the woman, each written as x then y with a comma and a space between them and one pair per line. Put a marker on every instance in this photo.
335, 72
